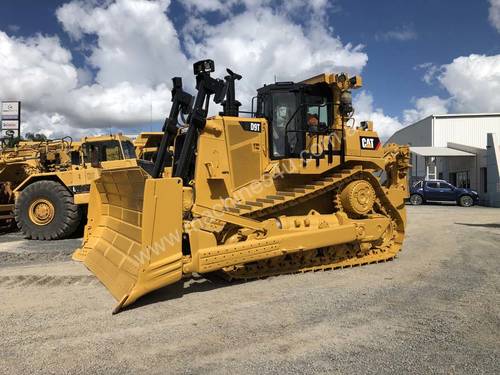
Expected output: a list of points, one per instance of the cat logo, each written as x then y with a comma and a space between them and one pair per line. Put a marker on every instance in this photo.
369, 143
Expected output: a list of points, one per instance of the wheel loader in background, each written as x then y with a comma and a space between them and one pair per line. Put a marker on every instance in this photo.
290, 188
45, 184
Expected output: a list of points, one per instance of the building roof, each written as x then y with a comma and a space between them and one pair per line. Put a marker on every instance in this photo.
458, 115
449, 115
439, 151
437, 130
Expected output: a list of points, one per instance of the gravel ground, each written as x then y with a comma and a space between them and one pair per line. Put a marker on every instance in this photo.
14, 250
435, 309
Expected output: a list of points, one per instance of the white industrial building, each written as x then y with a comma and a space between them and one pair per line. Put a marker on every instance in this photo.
463, 149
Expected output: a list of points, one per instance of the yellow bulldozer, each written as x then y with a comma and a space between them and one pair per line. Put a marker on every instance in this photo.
45, 184
293, 186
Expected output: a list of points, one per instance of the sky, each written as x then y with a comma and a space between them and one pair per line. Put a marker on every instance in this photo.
95, 66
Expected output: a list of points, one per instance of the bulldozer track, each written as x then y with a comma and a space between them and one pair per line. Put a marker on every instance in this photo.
330, 258
287, 266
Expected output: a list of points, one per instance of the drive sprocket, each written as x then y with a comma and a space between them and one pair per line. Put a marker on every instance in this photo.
357, 198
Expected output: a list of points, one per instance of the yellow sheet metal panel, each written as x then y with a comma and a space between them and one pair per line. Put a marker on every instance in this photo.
113, 241
135, 243
81, 198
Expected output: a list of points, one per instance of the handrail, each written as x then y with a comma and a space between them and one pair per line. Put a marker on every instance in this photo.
329, 128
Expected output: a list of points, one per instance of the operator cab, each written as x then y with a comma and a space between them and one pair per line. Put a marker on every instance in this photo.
296, 112
95, 152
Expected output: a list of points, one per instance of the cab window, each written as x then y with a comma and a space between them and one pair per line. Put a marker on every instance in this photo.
317, 115
432, 185
128, 150
102, 151
112, 152
284, 108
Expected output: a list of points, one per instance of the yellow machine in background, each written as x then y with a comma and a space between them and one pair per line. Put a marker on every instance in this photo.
19, 161
293, 187
46, 183
146, 145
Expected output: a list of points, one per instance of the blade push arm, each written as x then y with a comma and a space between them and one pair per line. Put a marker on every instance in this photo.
206, 87
181, 102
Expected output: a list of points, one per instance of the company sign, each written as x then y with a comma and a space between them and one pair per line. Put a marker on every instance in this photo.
369, 143
9, 133
10, 124
11, 110
11, 119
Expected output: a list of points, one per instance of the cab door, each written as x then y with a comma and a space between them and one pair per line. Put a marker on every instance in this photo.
91, 161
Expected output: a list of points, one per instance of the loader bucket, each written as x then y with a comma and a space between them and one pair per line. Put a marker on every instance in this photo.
133, 239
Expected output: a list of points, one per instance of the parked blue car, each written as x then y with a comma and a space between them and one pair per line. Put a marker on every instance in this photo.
442, 191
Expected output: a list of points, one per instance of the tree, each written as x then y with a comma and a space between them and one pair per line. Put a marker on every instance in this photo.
35, 137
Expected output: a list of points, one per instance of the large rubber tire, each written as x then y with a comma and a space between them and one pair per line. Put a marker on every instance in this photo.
66, 216
416, 199
466, 201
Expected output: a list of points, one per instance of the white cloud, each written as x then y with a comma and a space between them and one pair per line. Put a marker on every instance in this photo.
365, 111
34, 68
403, 33
270, 46
135, 50
227, 7
473, 83
494, 14
136, 42
430, 71
39, 72
123, 104
432, 105
134, 62
54, 125
210, 5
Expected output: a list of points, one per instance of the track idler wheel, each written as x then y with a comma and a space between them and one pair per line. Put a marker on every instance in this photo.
358, 197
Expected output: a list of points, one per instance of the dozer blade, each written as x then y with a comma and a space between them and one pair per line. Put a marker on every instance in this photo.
133, 239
